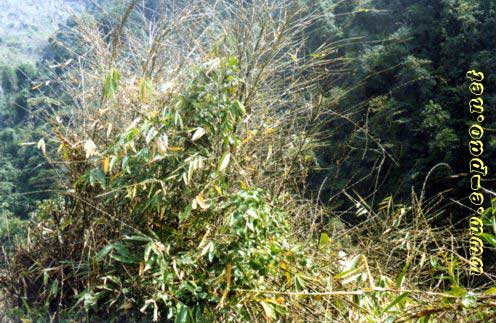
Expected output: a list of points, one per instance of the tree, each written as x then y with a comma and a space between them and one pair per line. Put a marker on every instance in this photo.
405, 105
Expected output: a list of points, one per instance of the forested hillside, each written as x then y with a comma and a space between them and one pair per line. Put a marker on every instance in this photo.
405, 92
287, 160
25, 176
26, 25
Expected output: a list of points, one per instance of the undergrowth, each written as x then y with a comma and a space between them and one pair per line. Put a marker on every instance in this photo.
185, 166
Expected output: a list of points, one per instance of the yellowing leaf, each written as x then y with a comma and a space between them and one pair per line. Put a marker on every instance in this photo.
218, 189
228, 282
145, 89
224, 162
228, 274
248, 138
243, 184
106, 165
172, 148
276, 301
269, 154
198, 134
37, 86
286, 272
324, 240
490, 291
316, 55
201, 202
127, 306
269, 131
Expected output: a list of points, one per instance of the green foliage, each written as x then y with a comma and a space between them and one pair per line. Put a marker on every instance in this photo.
246, 252
24, 171
182, 200
413, 59
12, 231
174, 165
164, 150
9, 79
111, 83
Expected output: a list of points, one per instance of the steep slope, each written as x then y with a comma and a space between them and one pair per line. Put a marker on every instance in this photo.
25, 26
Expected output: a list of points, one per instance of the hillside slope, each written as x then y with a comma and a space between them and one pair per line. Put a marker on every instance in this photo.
25, 26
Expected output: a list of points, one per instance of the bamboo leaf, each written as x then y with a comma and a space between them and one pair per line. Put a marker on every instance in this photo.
324, 240
183, 313
97, 176
106, 165
102, 253
111, 84
150, 135
239, 107
198, 134
269, 311
163, 143
489, 238
201, 202
490, 291
41, 145
396, 301
224, 162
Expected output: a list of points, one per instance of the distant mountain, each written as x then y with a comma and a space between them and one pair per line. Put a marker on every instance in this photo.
25, 26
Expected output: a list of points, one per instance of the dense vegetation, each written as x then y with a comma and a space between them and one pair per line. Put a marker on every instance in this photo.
246, 160
25, 176
405, 93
